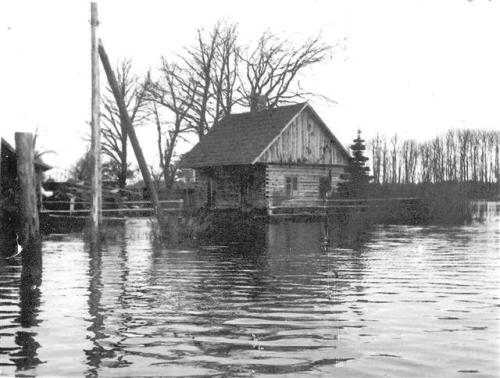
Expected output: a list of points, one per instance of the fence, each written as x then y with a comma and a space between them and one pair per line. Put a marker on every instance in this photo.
308, 206
123, 208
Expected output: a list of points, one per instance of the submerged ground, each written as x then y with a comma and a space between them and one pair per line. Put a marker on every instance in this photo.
399, 301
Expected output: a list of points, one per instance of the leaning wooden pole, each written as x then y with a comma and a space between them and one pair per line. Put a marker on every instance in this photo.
96, 184
25, 155
124, 116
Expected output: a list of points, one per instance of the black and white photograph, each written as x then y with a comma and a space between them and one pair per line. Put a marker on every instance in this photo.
250, 188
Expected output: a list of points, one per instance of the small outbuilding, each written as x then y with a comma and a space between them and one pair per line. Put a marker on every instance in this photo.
8, 173
267, 158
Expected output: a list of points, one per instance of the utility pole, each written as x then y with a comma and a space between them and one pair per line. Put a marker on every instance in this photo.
96, 184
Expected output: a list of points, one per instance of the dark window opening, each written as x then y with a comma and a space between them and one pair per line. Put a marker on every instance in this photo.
325, 186
292, 185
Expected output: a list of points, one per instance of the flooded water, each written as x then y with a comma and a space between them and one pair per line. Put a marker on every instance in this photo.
403, 301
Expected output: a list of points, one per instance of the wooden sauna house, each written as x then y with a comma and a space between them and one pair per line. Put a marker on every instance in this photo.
268, 158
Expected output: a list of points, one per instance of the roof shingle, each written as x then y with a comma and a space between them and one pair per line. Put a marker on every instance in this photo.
239, 138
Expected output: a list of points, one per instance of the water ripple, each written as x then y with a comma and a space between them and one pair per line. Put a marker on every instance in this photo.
406, 298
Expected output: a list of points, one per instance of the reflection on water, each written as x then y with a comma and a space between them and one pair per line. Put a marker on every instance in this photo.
405, 301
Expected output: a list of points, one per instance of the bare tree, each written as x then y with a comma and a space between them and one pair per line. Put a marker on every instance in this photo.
211, 67
271, 69
225, 74
394, 157
376, 152
221, 75
496, 139
176, 96
385, 162
114, 132
464, 141
405, 160
451, 156
425, 162
436, 160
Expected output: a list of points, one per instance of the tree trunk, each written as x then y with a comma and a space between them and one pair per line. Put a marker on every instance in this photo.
122, 178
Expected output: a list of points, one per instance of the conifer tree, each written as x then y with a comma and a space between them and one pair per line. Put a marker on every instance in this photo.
356, 178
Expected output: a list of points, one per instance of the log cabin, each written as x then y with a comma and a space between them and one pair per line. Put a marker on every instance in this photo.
267, 158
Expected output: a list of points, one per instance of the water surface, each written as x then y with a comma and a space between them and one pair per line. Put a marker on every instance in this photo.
400, 301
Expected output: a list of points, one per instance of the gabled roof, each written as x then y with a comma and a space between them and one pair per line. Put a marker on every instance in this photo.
239, 139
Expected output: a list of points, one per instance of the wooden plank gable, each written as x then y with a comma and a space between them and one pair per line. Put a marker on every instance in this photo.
305, 140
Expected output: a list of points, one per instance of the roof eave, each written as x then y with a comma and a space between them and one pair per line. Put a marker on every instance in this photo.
212, 164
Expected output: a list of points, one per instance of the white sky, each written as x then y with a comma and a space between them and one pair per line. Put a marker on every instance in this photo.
415, 67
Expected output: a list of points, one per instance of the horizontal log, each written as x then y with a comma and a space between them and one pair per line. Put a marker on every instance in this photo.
303, 206
45, 211
302, 173
374, 199
114, 203
69, 217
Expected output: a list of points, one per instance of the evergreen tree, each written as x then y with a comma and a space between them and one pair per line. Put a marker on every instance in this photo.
356, 178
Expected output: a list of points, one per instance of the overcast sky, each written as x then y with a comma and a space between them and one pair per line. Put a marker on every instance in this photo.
413, 67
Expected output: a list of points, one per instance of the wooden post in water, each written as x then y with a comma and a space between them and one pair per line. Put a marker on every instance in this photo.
96, 184
25, 156
1, 196
2, 204
133, 138
1, 174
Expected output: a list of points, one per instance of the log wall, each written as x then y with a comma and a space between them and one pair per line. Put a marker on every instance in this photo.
234, 186
263, 186
305, 141
308, 182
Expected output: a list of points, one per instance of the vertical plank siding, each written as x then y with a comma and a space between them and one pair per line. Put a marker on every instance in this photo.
304, 141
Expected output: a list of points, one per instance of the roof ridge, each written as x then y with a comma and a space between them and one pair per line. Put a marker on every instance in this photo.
298, 104
238, 139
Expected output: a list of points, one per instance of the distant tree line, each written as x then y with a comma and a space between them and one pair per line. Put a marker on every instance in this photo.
433, 181
457, 156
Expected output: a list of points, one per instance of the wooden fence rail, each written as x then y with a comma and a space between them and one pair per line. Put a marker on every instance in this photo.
122, 210
115, 203
135, 207
319, 206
